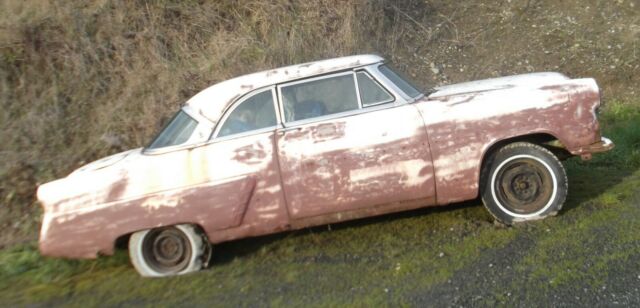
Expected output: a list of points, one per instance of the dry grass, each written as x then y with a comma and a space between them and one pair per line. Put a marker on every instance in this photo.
82, 79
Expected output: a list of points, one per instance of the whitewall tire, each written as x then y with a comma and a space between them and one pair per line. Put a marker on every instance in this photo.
523, 181
168, 251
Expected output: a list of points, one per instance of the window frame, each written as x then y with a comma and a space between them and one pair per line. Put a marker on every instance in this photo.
312, 79
166, 126
391, 84
370, 76
229, 111
372, 72
203, 124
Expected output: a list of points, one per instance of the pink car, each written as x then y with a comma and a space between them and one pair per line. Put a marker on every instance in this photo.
319, 143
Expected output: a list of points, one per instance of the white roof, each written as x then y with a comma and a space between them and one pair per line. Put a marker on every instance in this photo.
214, 100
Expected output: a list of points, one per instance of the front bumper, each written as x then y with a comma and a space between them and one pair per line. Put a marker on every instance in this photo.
605, 144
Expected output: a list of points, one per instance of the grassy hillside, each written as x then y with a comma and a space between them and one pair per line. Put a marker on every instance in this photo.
83, 79
80, 80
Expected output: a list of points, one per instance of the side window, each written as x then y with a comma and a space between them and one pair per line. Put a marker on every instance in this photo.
371, 92
319, 97
256, 112
177, 131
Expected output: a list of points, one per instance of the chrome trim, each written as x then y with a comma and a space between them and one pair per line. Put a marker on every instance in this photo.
281, 131
325, 76
276, 108
172, 148
344, 114
208, 142
355, 81
244, 134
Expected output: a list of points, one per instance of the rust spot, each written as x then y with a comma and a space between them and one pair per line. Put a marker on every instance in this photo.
466, 100
250, 154
117, 190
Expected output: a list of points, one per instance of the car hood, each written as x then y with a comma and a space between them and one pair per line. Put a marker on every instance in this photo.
533, 79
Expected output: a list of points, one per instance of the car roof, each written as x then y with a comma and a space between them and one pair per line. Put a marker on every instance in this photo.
214, 100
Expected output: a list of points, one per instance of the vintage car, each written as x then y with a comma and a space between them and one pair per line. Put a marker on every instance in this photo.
319, 143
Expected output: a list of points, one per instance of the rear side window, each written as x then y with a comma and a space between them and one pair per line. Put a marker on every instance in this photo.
176, 132
371, 92
254, 113
319, 97
404, 84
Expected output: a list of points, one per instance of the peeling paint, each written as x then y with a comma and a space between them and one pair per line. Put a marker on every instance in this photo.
395, 158
460, 134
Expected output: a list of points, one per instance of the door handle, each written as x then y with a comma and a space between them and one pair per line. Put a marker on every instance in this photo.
247, 153
289, 129
325, 131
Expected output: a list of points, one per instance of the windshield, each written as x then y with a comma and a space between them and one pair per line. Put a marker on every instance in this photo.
176, 132
403, 83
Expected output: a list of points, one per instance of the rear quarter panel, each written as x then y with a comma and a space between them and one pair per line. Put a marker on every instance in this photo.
462, 128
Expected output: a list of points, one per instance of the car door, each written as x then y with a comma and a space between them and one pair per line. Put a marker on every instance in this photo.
345, 147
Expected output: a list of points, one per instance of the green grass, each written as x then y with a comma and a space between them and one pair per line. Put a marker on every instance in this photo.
386, 260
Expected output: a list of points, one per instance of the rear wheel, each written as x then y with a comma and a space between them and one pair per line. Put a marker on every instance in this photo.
167, 251
523, 181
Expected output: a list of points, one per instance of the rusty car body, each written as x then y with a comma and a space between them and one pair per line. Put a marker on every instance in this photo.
330, 141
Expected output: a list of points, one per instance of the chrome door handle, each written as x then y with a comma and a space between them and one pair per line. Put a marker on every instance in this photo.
243, 152
289, 129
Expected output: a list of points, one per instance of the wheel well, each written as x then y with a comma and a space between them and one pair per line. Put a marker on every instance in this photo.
122, 241
547, 141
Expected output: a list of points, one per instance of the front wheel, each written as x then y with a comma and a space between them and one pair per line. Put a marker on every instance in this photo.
167, 251
523, 181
